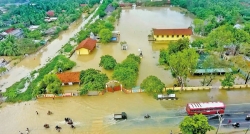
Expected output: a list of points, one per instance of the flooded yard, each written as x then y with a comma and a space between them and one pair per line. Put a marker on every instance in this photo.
135, 25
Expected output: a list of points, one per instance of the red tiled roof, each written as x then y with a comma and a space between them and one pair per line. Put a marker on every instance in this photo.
50, 13
88, 44
10, 30
187, 31
69, 77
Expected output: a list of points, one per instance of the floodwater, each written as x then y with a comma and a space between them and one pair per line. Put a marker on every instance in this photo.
93, 115
135, 25
39, 59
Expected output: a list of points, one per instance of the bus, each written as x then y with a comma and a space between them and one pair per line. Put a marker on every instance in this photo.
205, 108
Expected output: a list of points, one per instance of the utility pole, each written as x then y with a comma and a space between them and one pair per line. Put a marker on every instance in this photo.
247, 129
220, 121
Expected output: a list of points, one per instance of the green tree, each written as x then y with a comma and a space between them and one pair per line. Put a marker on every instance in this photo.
152, 85
53, 84
107, 62
220, 37
182, 63
228, 81
105, 35
197, 124
92, 79
199, 26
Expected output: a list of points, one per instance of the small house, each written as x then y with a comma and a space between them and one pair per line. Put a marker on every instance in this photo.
33, 27
50, 31
171, 34
50, 13
69, 78
109, 9
18, 33
86, 46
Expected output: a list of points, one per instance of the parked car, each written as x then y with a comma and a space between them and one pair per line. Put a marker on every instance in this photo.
167, 97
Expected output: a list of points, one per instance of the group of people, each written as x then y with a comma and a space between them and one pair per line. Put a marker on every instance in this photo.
27, 131
235, 125
70, 122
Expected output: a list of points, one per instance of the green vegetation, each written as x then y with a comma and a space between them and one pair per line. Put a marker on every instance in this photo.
92, 80
50, 84
183, 63
107, 62
100, 26
174, 47
197, 124
68, 48
12, 93
2, 69
152, 85
127, 71
105, 36
228, 81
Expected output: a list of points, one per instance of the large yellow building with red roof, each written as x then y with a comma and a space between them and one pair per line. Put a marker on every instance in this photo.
171, 34
86, 46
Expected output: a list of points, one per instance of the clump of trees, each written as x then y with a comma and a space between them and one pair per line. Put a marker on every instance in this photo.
50, 84
108, 62
62, 66
152, 85
197, 124
127, 71
228, 81
92, 80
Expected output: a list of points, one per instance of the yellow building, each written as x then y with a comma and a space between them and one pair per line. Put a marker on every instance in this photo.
171, 34
86, 46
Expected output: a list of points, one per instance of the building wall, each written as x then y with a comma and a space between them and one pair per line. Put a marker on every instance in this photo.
170, 37
82, 51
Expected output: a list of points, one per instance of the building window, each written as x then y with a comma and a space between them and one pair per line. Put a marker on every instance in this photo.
177, 36
157, 36
172, 36
162, 36
182, 35
167, 36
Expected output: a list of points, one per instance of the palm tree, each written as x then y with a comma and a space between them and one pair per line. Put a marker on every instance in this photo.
10, 38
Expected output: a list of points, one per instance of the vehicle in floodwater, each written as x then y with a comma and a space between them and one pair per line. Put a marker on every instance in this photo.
167, 97
205, 108
247, 117
122, 116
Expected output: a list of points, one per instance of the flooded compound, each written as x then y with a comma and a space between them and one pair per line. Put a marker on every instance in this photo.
135, 25
95, 114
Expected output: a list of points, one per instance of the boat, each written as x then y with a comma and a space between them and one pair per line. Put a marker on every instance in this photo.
205, 108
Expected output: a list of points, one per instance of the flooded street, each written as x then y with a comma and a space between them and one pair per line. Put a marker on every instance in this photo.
94, 115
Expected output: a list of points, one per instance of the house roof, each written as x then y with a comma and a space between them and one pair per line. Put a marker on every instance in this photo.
50, 13
109, 8
66, 77
187, 31
10, 30
88, 44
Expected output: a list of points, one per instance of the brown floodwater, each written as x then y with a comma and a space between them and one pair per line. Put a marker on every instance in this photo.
93, 115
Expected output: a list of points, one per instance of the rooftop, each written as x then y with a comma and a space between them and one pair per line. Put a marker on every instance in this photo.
88, 44
187, 31
69, 77
206, 105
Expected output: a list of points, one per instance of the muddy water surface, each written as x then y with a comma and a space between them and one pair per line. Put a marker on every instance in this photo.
135, 25
93, 115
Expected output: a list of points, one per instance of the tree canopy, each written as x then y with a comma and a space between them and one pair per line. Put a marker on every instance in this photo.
127, 71
105, 36
182, 63
197, 124
228, 81
152, 85
92, 80
107, 62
